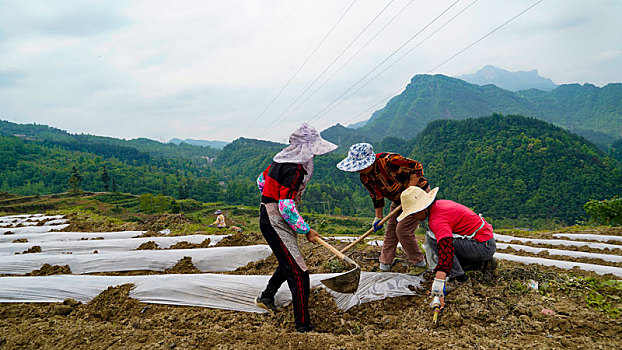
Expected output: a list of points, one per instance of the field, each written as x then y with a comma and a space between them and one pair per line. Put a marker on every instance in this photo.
567, 309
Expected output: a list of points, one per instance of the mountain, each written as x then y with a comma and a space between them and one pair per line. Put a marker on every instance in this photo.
590, 111
139, 150
357, 124
515, 167
513, 81
214, 144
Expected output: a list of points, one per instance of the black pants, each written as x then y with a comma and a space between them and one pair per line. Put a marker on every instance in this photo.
288, 270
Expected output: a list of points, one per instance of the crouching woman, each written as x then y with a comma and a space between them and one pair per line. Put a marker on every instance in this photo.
463, 240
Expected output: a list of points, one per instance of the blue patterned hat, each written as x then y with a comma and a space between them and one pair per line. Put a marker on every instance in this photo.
360, 156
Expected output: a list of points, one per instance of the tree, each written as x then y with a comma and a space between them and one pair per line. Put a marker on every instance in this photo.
114, 185
105, 178
74, 181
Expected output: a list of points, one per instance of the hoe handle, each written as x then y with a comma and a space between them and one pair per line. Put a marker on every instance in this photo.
371, 230
332, 249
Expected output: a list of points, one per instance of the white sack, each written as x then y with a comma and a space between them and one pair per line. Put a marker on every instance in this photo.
571, 253
504, 238
217, 259
104, 245
590, 237
229, 292
601, 270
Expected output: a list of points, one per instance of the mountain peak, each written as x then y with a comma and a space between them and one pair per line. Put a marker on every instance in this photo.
513, 81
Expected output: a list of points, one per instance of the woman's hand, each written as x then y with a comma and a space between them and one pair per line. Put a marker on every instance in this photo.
311, 235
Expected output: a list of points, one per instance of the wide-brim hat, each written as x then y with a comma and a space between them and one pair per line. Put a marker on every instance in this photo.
360, 156
414, 200
218, 212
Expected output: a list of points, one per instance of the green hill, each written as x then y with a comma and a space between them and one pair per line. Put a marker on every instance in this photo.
516, 167
587, 110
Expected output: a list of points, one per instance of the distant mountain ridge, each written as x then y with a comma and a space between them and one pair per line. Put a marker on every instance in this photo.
214, 144
592, 112
513, 81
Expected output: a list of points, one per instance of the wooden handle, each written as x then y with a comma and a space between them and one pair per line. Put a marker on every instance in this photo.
371, 230
332, 249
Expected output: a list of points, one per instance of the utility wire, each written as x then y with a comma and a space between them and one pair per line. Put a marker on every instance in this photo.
327, 68
383, 61
355, 54
461, 51
300, 68
485, 36
397, 60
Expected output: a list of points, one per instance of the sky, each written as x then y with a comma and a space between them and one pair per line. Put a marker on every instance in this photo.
220, 70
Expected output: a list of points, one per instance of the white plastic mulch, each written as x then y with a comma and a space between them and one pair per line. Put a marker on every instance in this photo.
559, 242
67, 236
229, 292
561, 252
104, 245
599, 269
589, 237
31, 229
217, 259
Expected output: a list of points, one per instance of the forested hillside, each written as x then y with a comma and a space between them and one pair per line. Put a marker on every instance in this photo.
590, 111
516, 167
505, 167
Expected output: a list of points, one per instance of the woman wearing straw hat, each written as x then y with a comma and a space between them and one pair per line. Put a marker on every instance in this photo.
463, 240
386, 175
281, 186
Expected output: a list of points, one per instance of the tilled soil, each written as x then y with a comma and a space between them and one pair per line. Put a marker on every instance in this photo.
484, 313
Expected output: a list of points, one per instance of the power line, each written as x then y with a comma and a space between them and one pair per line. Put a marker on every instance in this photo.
328, 67
355, 54
300, 68
397, 60
383, 61
482, 38
461, 51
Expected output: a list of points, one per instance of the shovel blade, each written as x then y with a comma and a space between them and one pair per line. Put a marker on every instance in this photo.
345, 283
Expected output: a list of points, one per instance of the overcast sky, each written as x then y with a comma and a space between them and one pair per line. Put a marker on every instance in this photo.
216, 70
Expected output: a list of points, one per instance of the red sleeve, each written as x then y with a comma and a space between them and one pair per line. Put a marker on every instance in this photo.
445, 255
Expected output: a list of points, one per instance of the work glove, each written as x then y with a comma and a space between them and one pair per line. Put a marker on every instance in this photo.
438, 287
376, 225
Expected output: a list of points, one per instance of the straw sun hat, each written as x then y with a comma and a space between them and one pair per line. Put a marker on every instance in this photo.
414, 200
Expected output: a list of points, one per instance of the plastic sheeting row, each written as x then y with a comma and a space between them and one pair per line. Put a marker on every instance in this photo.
560, 252
38, 237
599, 269
104, 245
15, 231
558, 242
229, 292
217, 259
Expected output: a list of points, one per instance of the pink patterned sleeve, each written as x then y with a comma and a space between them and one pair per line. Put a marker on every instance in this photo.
288, 210
261, 181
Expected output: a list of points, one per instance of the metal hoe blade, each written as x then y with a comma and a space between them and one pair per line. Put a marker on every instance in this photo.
347, 282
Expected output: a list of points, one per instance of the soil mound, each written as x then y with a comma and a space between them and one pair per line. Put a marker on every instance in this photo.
186, 245
162, 221
111, 305
48, 270
151, 245
183, 266
242, 239
33, 249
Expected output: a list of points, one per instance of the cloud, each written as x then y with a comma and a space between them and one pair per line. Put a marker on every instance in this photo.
10, 78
